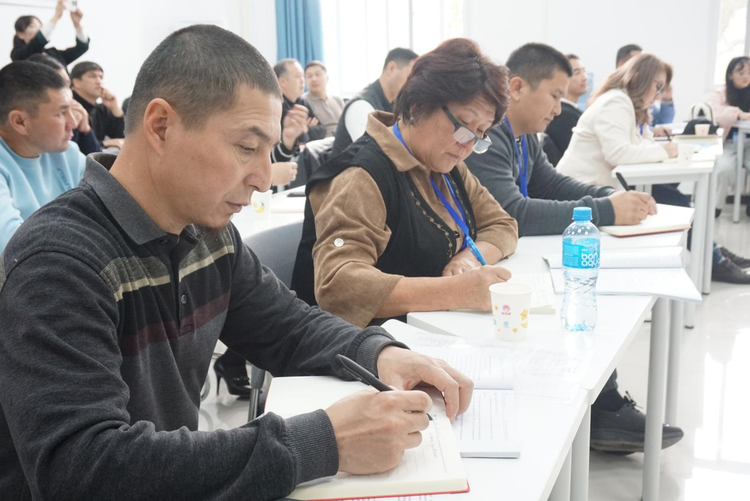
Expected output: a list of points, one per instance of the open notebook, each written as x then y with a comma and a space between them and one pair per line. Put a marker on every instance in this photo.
542, 295
667, 218
654, 271
431, 468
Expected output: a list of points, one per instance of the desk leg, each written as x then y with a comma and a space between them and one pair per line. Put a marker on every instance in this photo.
699, 231
657, 378
738, 187
708, 250
561, 489
673, 369
579, 476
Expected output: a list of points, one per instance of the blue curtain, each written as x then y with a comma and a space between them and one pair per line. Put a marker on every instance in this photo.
299, 30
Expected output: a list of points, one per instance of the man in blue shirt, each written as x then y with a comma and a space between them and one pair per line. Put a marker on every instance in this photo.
38, 161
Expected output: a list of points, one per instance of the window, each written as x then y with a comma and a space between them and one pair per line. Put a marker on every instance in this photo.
370, 28
731, 39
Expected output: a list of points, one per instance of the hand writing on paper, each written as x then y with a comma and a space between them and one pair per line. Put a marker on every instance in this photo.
632, 207
472, 288
373, 429
405, 369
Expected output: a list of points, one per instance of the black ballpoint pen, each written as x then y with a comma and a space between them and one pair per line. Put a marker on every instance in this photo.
365, 376
622, 181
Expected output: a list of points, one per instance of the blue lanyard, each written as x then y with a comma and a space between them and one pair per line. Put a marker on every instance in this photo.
460, 219
640, 127
523, 171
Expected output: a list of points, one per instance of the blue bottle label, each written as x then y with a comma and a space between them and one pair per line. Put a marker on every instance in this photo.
583, 254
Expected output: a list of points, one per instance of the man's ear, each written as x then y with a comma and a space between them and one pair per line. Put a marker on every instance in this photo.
516, 87
19, 121
158, 119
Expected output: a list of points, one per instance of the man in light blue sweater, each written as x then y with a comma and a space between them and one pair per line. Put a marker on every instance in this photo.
38, 161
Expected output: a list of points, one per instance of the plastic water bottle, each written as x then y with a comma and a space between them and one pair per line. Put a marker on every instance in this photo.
581, 245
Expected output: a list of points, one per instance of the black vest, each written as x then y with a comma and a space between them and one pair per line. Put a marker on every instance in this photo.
374, 95
421, 242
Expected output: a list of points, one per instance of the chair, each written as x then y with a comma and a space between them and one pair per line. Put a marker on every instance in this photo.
277, 249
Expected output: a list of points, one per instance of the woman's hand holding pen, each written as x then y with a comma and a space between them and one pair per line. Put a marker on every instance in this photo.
632, 207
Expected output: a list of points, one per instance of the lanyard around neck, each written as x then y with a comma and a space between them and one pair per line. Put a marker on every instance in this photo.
523, 172
460, 219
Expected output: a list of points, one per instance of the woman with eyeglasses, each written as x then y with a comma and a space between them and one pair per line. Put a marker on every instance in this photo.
396, 223
614, 128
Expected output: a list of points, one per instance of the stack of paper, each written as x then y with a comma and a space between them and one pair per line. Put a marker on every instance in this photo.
543, 293
656, 271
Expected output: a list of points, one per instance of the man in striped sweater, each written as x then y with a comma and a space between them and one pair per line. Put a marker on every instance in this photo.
113, 297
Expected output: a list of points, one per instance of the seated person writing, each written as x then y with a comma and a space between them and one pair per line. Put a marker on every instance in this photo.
32, 37
614, 130
518, 175
397, 223
114, 296
38, 161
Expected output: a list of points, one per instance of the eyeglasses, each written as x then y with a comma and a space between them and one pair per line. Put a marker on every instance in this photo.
659, 86
464, 135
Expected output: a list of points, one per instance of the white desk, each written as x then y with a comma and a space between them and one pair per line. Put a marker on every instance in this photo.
743, 128
620, 317
702, 173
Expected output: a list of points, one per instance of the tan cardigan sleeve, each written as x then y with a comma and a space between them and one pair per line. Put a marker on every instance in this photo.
351, 233
494, 225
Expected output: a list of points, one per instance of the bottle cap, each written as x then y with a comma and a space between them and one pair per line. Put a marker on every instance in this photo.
582, 214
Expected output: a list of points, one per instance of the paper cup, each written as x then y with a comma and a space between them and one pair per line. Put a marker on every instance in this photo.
702, 129
260, 204
510, 310
685, 154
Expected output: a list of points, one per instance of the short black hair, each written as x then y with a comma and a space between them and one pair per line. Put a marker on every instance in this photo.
48, 61
535, 62
281, 67
572, 57
198, 71
81, 69
623, 53
24, 84
401, 56
315, 62
23, 22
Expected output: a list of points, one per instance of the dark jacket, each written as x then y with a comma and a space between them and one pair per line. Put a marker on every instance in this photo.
102, 121
559, 132
22, 50
374, 95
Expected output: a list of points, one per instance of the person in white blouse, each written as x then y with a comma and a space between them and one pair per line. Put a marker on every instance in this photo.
731, 104
614, 131
614, 128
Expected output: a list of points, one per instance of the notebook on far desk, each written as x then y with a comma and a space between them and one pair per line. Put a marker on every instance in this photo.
667, 218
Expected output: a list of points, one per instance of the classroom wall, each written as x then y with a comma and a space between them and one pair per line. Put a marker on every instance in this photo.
122, 38
682, 32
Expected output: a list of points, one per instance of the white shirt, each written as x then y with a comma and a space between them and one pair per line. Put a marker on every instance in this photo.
607, 136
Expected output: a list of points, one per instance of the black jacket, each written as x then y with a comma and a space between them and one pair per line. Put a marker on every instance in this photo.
22, 50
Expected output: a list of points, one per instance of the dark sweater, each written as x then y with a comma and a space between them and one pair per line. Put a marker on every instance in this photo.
102, 121
108, 328
283, 154
559, 132
22, 50
548, 210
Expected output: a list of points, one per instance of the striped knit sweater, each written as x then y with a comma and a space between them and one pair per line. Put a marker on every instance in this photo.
107, 327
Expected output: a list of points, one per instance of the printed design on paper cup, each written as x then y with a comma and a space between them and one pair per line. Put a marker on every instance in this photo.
259, 207
506, 325
506, 309
525, 319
